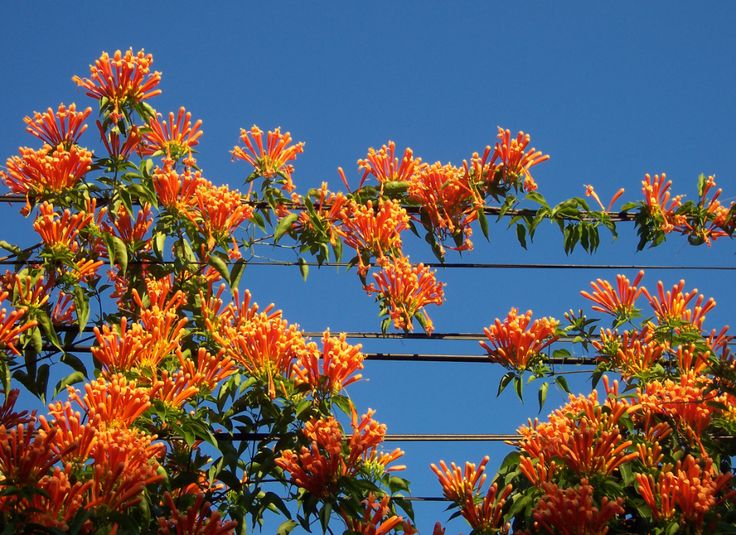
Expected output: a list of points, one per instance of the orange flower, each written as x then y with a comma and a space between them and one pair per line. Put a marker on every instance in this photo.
221, 211
265, 345
514, 162
25, 455
118, 151
121, 349
47, 170
123, 81
446, 197
177, 192
122, 225
672, 307
514, 344
619, 302
583, 434
661, 205
175, 139
72, 440
385, 166
8, 417
405, 289
376, 519
269, 160
374, 232
572, 511
210, 369
198, 519
719, 221
692, 487
59, 231
112, 402
683, 400
463, 487
590, 192
12, 326
633, 352
57, 503
125, 463
316, 468
339, 361
62, 127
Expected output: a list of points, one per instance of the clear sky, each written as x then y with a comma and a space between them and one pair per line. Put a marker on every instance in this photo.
611, 91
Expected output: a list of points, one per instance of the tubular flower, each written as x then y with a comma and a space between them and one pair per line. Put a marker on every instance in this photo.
59, 231
590, 192
384, 165
376, 232
619, 302
210, 369
265, 346
47, 170
446, 197
72, 439
8, 417
316, 468
661, 205
62, 127
691, 487
459, 485
198, 519
175, 139
121, 349
683, 400
117, 150
125, 463
718, 219
177, 192
12, 326
59, 503
514, 343
319, 224
405, 289
376, 520
131, 232
271, 159
174, 389
123, 81
672, 307
633, 352
112, 402
572, 511
691, 358
584, 435
515, 161
331, 369
221, 211
462, 487
25, 455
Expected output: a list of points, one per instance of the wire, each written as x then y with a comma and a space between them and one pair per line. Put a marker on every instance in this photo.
411, 437
436, 265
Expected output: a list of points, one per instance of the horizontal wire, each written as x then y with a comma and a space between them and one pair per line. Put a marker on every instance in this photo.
400, 437
437, 265
488, 210
399, 357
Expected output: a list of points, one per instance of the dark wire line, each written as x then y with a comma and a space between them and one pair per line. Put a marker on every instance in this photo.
394, 437
488, 210
400, 357
437, 265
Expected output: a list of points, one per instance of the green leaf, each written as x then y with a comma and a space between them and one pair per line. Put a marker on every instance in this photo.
521, 234
286, 527
9, 247
505, 380
42, 381
303, 268
701, 184
542, 394
221, 266
483, 221
237, 272
284, 226
159, 240
519, 386
562, 382
120, 253
44, 322
72, 378
81, 304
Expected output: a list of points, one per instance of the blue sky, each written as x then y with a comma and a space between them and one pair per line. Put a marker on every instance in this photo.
610, 91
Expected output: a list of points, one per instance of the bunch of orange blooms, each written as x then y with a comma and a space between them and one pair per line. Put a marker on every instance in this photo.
197, 411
